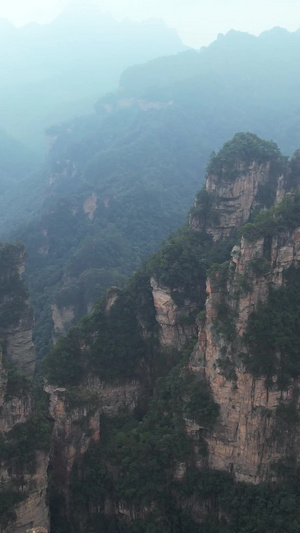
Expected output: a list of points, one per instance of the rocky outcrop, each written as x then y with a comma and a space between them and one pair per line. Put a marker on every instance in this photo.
77, 416
62, 319
33, 511
248, 438
37, 530
123, 103
90, 205
76, 424
25, 480
29, 482
111, 296
19, 344
233, 200
175, 328
245, 441
16, 318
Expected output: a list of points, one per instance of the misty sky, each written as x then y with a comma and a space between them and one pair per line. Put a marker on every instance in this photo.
198, 22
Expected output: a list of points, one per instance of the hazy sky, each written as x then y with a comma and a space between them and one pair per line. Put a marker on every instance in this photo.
197, 21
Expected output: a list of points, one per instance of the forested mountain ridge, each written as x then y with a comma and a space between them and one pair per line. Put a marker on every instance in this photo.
174, 404
253, 77
198, 430
118, 182
114, 193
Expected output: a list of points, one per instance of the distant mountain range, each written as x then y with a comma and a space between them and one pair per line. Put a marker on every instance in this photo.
53, 72
243, 75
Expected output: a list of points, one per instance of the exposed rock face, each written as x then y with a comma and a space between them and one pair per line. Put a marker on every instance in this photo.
37, 530
77, 426
34, 509
174, 331
62, 318
144, 105
63, 169
31, 484
111, 296
28, 481
16, 320
115, 397
235, 199
19, 344
90, 205
247, 440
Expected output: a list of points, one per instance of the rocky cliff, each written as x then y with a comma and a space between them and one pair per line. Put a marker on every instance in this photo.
242, 179
194, 377
24, 430
16, 320
175, 330
247, 439
62, 318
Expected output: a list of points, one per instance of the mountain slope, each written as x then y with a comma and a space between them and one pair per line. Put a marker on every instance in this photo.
252, 77
25, 430
209, 439
118, 182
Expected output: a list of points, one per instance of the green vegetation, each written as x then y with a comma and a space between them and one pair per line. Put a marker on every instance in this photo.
136, 457
203, 210
199, 404
8, 500
13, 293
294, 173
18, 385
18, 446
272, 335
244, 284
219, 274
183, 260
260, 266
76, 398
287, 416
113, 345
241, 507
226, 365
181, 264
136, 163
225, 322
285, 217
243, 149
109, 344
133, 467
133, 164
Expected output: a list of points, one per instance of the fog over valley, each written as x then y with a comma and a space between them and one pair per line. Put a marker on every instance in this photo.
149, 267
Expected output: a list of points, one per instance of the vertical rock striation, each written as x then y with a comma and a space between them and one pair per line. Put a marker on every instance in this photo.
249, 438
174, 329
23, 461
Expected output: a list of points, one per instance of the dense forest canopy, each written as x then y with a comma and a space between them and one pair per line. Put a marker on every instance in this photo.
119, 274
135, 463
137, 162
